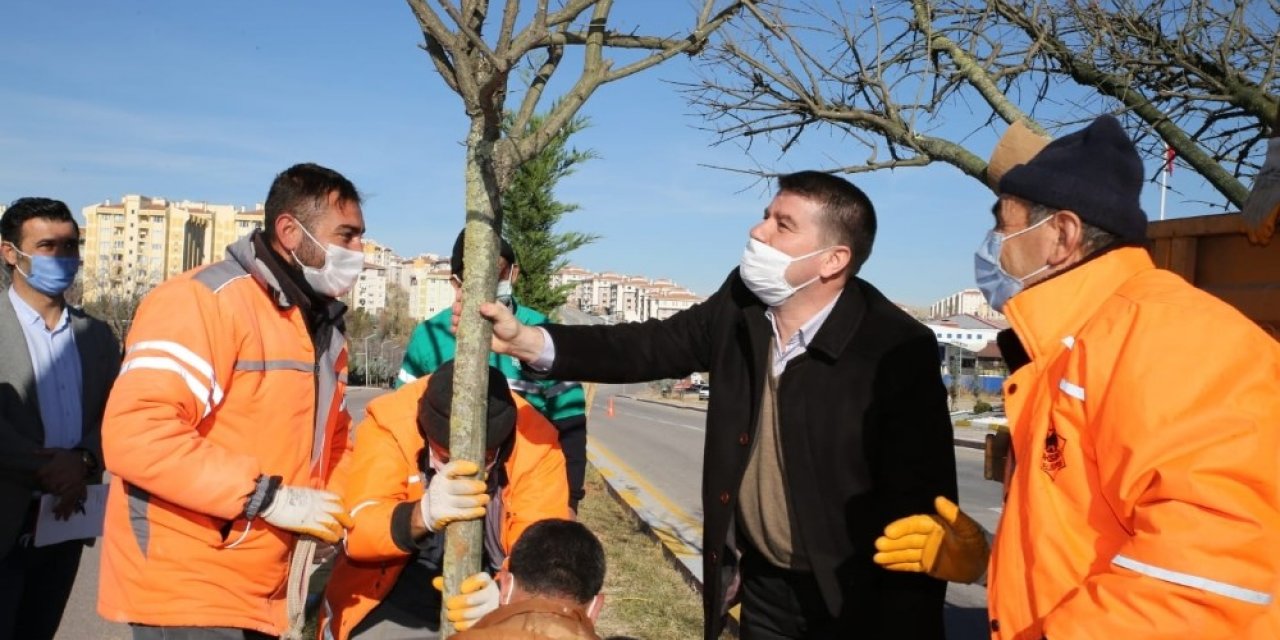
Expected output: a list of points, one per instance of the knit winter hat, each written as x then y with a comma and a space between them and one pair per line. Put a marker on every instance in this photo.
1095, 172
455, 261
434, 408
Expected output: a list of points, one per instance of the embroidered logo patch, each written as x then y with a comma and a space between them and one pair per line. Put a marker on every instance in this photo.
1053, 460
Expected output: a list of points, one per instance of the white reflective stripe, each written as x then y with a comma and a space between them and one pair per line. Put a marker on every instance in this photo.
366, 503
187, 357
1070, 341
1074, 390
524, 386
560, 388
200, 391
417, 477
1195, 582
247, 525
326, 629
405, 377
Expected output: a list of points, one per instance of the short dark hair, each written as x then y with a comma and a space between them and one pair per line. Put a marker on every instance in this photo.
559, 558
24, 209
505, 250
303, 192
847, 214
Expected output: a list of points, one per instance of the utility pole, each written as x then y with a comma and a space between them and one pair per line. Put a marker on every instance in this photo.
366, 357
383, 358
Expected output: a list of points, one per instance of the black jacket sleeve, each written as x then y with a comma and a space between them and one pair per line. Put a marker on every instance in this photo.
636, 352
913, 462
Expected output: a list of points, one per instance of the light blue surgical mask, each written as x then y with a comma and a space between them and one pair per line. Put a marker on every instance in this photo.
995, 283
50, 275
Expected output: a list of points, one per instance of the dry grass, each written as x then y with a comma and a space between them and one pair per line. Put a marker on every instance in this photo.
645, 598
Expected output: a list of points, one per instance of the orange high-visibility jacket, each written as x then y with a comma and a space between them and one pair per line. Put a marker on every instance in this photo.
384, 472
1146, 432
220, 383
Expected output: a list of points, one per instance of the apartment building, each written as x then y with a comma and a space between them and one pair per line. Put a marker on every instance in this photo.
427, 278
136, 243
624, 298
965, 302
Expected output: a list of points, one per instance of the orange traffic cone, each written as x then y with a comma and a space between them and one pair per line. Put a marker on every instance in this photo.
610, 406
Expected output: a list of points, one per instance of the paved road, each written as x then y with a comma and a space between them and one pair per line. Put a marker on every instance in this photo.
81, 621
663, 444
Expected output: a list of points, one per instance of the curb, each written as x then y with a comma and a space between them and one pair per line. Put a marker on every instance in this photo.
959, 442
668, 554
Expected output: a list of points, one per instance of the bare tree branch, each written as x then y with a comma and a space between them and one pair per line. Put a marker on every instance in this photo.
1199, 76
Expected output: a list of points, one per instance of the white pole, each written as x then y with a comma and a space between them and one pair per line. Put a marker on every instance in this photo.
1164, 187
1165, 166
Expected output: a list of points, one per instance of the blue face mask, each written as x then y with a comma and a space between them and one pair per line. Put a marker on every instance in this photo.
49, 275
995, 283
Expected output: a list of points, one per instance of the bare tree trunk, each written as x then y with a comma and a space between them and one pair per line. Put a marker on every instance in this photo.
464, 541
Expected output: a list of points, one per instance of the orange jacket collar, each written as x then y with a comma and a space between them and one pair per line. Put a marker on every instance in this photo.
1044, 314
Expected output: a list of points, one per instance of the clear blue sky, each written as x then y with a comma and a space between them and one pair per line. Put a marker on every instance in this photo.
207, 101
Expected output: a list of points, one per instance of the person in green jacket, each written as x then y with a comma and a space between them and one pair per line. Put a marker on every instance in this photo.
563, 403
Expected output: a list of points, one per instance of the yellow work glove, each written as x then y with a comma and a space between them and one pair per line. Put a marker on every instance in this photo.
479, 596
948, 546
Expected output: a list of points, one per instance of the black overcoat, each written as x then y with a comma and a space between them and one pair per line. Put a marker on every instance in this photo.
864, 430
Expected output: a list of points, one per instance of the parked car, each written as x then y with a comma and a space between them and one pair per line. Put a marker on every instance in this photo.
705, 392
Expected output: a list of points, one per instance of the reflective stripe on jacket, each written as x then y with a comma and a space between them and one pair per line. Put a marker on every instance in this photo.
219, 384
384, 473
1146, 433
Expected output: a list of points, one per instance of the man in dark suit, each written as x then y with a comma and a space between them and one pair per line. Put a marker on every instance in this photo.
56, 367
829, 420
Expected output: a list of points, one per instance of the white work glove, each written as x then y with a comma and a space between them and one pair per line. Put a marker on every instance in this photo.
312, 512
479, 595
453, 494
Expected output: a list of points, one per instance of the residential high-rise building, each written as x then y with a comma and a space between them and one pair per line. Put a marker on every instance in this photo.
624, 298
427, 279
134, 244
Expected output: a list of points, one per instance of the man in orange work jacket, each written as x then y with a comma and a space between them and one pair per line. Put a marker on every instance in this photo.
227, 422
1145, 420
402, 490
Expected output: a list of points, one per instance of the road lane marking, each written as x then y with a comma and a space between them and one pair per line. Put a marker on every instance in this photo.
674, 424
616, 466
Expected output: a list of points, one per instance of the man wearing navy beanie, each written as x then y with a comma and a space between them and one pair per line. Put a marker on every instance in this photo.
1144, 499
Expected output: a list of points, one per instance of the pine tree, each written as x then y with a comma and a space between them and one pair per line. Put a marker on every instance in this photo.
531, 213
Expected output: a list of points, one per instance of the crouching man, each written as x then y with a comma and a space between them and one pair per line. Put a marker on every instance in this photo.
402, 490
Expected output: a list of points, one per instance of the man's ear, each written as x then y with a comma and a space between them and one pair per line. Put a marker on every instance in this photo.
593, 607
8, 254
837, 261
287, 232
506, 587
1068, 244
515, 273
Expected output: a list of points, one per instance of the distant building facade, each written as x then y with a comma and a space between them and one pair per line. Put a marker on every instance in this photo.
965, 302
136, 243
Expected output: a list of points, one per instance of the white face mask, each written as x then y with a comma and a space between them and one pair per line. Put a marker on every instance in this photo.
338, 273
764, 270
505, 294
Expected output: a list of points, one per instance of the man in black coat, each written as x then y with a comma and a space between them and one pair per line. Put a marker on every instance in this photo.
829, 421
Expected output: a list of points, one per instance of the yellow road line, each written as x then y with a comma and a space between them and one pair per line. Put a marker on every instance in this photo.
651, 491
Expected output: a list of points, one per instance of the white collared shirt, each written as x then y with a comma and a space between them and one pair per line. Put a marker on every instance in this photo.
799, 341
56, 364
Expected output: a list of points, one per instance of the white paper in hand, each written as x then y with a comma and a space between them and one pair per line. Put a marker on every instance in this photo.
50, 530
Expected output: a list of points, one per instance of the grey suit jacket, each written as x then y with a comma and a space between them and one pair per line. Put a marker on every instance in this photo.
21, 430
